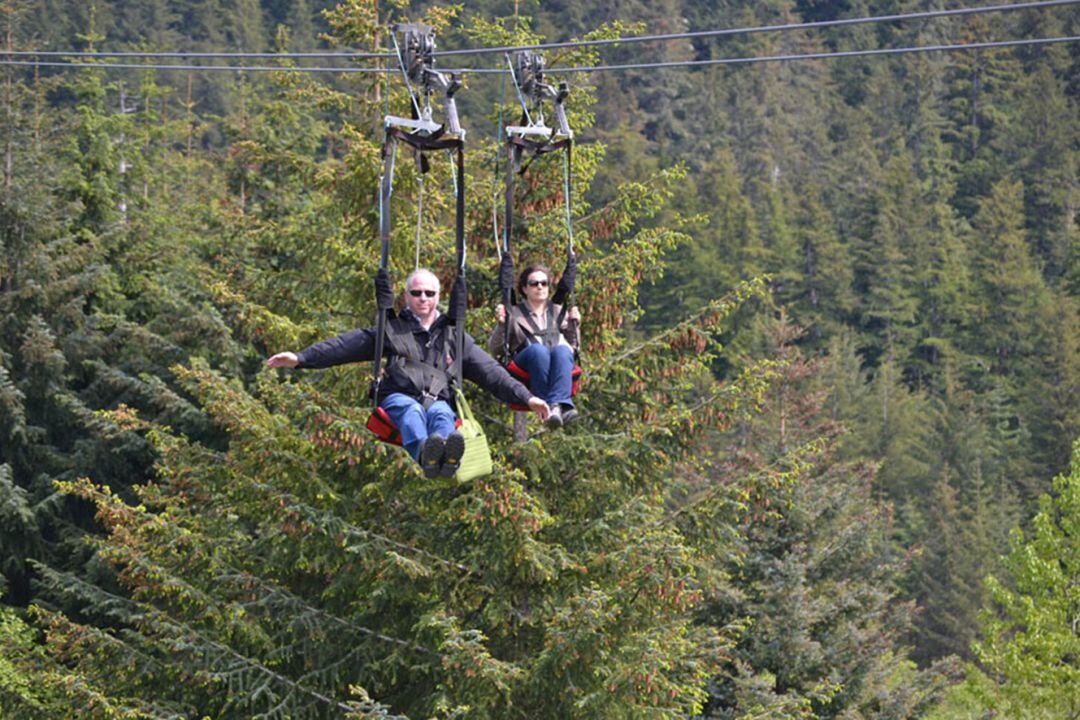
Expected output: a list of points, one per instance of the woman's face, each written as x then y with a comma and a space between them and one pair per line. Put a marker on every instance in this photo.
536, 286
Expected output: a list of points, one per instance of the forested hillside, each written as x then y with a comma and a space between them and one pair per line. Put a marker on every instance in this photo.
830, 339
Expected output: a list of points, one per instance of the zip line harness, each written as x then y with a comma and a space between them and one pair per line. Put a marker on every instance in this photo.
424, 136
534, 138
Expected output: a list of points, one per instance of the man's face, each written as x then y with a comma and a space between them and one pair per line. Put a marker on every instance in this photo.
422, 296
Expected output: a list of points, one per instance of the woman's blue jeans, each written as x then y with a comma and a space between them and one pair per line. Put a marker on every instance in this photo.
550, 371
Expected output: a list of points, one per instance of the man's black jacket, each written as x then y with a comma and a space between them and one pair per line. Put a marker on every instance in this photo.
359, 346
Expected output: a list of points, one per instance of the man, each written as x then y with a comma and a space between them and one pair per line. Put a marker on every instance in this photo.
415, 391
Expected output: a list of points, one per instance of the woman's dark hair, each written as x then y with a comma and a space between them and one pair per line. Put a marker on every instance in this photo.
523, 278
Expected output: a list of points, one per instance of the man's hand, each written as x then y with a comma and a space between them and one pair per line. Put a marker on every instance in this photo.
500, 313
284, 359
539, 407
384, 290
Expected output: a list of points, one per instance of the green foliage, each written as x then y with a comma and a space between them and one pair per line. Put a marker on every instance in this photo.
307, 557
1026, 660
280, 562
26, 688
1029, 648
916, 214
815, 575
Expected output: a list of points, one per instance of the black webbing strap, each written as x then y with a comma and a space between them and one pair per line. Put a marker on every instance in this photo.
434, 141
564, 294
534, 148
549, 336
459, 296
428, 380
506, 265
382, 310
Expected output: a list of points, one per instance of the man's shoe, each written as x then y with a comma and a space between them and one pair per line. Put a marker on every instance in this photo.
555, 418
431, 452
569, 414
455, 448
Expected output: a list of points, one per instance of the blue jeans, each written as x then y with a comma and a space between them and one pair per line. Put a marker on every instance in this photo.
415, 423
549, 371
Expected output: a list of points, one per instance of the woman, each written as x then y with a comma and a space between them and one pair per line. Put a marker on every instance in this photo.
538, 346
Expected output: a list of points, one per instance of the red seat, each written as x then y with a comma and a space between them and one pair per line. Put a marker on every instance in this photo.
523, 377
383, 427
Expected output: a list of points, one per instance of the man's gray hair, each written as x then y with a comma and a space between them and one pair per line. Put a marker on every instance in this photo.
421, 271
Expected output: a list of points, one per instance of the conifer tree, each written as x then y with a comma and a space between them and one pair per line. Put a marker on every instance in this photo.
1012, 324
151, 24
960, 520
942, 288
1008, 282
884, 274
246, 27
1049, 170
819, 292
816, 576
301, 24
29, 686
981, 96
724, 250
88, 320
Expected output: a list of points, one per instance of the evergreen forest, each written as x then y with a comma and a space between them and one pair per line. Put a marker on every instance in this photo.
828, 464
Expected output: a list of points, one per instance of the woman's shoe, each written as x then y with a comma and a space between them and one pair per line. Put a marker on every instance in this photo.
555, 418
569, 414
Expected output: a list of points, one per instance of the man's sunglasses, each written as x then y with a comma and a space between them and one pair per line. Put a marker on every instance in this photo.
537, 283
429, 293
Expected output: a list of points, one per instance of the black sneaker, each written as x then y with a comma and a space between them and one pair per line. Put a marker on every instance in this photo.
431, 452
451, 461
569, 414
555, 418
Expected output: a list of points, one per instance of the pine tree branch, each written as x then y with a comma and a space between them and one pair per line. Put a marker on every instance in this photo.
162, 574
795, 459
723, 306
298, 603
332, 523
158, 619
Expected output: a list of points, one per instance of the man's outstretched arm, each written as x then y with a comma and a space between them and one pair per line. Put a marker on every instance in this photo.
352, 346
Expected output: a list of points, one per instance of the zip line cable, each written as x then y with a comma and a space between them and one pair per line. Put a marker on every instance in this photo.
820, 55
200, 54
929, 14
206, 68
495, 168
767, 28
583, 69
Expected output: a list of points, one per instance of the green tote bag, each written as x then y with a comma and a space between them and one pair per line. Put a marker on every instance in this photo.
476, 462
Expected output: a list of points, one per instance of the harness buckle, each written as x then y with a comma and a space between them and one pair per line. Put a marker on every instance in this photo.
427, 399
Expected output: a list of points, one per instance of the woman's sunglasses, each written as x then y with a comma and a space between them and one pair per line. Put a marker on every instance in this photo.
537, 283
428, 293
